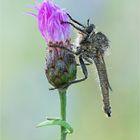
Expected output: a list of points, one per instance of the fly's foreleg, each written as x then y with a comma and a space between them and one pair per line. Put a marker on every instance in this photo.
75, 21
64, 48
77, 28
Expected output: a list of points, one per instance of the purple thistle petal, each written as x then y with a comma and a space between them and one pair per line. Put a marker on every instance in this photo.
49, 22
60, 64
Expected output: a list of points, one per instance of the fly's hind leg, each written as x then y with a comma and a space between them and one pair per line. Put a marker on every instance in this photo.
84, 70
88, 60
87, 64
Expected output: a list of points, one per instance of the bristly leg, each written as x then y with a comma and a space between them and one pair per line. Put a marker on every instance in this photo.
87, 64
102, 73
75, 21
84, 70
79, 29
64, 48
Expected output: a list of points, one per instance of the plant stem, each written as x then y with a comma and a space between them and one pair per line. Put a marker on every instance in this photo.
62, 94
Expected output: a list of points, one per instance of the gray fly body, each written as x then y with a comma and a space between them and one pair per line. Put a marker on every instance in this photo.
91, 49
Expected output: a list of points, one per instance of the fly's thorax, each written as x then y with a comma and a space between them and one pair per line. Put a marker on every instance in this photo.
88, 51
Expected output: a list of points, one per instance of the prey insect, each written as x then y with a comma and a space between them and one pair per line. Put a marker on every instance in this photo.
92, 47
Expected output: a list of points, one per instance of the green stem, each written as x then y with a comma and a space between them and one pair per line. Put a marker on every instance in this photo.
62, 94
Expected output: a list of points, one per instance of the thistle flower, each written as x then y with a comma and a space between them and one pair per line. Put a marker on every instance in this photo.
60, 64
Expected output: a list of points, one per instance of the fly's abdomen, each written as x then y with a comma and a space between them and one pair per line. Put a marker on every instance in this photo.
104, 84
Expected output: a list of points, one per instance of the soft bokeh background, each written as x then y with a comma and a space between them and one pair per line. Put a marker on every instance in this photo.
24, 96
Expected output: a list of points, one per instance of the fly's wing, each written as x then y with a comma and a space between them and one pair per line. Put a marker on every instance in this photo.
101, 42
104, 83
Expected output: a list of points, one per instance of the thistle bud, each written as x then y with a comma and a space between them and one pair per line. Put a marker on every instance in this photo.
60, 63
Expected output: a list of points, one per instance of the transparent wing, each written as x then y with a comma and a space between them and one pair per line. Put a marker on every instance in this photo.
101, 42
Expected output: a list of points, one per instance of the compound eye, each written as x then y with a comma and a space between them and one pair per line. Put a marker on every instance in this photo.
90, 28
93, 26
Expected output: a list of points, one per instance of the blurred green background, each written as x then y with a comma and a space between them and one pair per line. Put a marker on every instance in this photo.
24, 96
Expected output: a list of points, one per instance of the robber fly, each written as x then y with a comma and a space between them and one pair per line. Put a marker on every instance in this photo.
92, 47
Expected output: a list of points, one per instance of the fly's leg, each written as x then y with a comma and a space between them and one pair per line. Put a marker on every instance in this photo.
79, 29
84, 69
88, 60
91, 36
64, 48
87, 64
78, 51
75, 21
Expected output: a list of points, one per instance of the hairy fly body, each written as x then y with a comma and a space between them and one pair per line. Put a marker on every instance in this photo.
92, 47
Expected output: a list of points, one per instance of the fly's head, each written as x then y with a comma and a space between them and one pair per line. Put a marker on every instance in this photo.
90, 28
98, 40
88, 32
